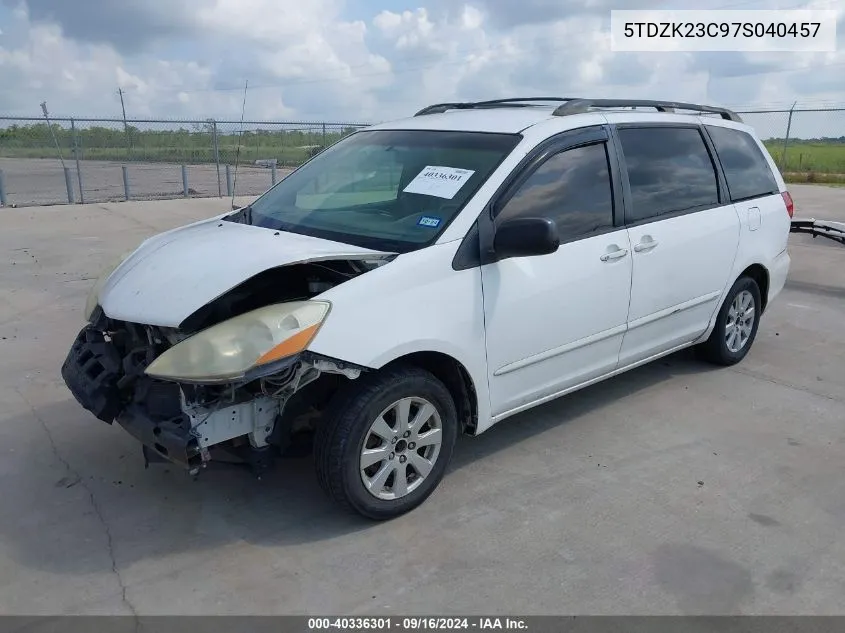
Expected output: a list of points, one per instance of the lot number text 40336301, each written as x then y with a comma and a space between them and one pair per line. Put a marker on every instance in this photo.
417, 623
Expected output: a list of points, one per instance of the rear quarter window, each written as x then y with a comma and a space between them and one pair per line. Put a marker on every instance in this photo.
746, 169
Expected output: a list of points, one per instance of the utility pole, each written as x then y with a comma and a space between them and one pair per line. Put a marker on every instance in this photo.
125, 126
68, 183
786, 139
52, 133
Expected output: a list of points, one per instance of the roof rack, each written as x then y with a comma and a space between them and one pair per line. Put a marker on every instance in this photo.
514, 102
577, 106
571, 105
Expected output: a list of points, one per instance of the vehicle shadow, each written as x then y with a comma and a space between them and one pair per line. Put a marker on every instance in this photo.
575, 405
60, 518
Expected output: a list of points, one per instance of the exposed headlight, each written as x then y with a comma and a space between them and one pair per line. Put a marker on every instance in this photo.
94, 294
227, 351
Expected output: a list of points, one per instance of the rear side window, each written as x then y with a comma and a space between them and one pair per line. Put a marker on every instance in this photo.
573, 188
746, 169
669, 170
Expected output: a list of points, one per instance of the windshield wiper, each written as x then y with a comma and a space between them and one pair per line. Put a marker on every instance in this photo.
243, 215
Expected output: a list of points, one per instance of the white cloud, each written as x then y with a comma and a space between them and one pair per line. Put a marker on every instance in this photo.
409, 30
268, 20
471, 18
310, 60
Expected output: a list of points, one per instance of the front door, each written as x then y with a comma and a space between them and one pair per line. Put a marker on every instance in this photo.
556, 321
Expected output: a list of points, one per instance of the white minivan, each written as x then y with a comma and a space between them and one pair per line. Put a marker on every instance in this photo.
434, 276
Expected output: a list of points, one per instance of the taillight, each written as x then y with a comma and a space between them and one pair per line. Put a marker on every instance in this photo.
790, 206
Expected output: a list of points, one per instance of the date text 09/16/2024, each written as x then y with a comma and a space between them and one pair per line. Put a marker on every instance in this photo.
416, 623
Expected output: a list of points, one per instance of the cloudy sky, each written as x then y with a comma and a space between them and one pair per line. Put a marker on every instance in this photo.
368, 60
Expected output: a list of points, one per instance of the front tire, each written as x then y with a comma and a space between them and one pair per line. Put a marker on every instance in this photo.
386, 442
736, 325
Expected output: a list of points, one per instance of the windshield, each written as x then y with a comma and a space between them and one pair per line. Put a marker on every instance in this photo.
392, 190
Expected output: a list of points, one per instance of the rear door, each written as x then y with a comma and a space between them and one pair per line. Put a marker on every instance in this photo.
684, 235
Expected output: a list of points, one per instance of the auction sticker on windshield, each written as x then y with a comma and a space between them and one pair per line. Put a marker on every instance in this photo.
442, 182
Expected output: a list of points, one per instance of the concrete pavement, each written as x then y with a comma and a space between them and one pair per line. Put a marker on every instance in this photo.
675, 488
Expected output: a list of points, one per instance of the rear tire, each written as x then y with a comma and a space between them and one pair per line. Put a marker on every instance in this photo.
371, 457
736, 325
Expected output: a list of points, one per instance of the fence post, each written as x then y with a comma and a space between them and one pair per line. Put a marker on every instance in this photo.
215, 144
68, 185
76, 155
3, 200
228, 180
125, 170
273, 174
324, 136
786, 140
185, 180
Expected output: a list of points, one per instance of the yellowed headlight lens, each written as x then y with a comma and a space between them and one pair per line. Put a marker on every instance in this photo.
228, 350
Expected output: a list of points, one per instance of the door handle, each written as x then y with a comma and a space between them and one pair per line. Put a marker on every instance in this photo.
614, 255
646, 245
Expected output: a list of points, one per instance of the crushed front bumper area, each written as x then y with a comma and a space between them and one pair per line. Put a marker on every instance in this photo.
91, 371
187, 424
163, 439
147, 409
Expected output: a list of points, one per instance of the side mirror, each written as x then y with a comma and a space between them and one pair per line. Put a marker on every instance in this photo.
523, 237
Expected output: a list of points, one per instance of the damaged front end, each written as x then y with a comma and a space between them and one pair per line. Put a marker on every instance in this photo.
250, 421
234, 382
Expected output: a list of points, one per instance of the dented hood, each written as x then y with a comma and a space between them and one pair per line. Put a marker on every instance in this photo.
173, 274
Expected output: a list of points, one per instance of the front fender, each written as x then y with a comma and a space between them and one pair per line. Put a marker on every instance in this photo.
416, 303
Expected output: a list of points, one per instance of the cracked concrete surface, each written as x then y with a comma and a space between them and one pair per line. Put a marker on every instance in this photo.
77, 478
675, 488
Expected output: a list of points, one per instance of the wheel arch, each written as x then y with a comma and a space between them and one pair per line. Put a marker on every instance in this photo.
760, 275
455, 377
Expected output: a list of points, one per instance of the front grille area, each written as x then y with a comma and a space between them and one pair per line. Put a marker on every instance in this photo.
104, 369
91, 371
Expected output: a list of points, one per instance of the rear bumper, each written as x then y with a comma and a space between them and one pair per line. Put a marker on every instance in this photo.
778, 273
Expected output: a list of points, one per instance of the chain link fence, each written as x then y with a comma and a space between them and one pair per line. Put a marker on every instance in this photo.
807, 144
104, 160
74, 160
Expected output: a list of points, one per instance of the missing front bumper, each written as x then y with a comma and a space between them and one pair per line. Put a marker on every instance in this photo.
91, 371
104, 371
169, 439
149, 411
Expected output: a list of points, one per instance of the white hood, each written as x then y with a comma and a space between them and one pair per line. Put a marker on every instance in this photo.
173, 274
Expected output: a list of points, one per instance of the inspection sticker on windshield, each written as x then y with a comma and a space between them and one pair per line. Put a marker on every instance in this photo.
442, 182
430, 221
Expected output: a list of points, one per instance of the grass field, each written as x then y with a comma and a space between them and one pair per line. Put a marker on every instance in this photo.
810, 162
192, 147
804, 161
285, 155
